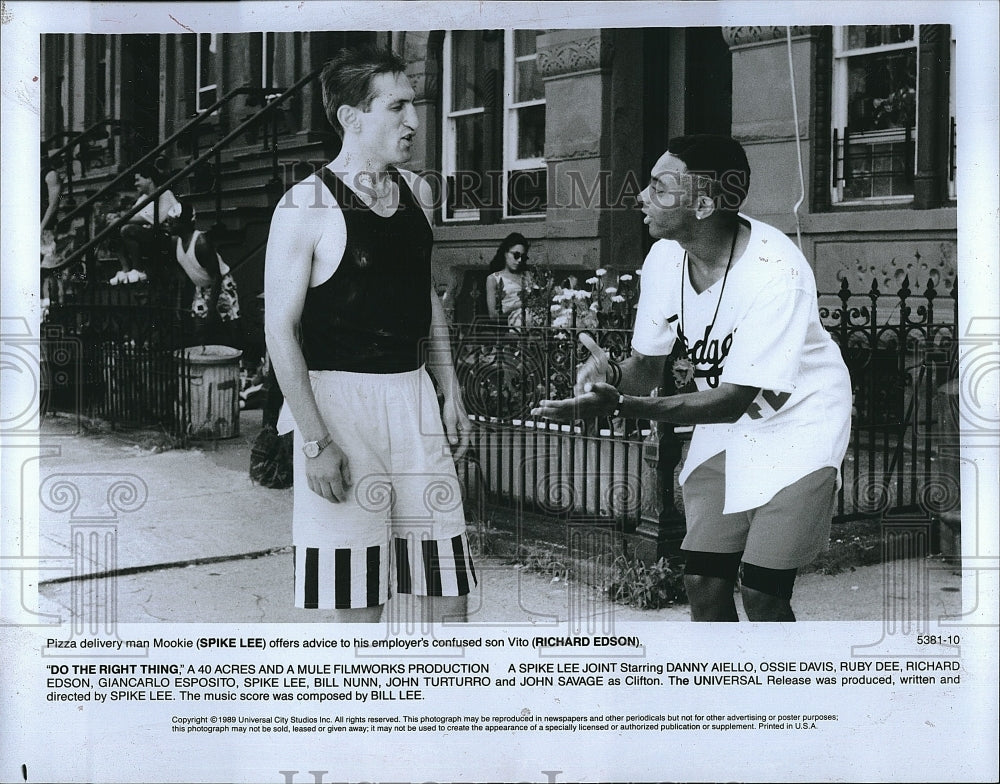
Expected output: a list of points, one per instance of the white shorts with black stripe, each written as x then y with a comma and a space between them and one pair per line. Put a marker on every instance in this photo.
402, 527
344, 578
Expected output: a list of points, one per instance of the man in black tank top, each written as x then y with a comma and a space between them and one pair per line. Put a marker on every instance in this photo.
352, 325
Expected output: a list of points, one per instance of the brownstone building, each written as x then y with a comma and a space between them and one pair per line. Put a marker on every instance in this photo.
850, 131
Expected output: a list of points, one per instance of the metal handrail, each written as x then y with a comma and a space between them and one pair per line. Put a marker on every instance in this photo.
65, 153
151, 155
49, 140
219, 145
79, 137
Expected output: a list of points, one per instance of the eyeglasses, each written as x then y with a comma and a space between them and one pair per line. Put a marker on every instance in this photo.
518, 255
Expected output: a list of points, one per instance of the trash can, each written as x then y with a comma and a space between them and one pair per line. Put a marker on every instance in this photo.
213, 391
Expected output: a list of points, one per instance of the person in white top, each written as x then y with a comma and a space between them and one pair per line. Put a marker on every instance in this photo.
729, 303
509, 276
140, 239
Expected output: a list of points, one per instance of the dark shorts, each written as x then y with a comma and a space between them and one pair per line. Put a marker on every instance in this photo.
787, 532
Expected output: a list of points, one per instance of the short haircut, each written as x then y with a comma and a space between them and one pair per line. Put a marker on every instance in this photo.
151, 172
347, 79
720, 159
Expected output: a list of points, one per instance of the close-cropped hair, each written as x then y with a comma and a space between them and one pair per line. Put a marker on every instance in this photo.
720, 165
347, 78
151, 172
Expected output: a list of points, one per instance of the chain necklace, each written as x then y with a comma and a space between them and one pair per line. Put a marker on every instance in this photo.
683, 367
375, 189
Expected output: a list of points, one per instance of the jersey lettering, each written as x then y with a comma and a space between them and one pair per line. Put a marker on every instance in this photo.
708, 356
774, 399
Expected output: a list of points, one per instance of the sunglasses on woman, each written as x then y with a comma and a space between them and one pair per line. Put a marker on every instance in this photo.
518, 255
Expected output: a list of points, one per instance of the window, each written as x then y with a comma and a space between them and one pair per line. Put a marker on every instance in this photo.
952, 140
524, 156
206, 89
493, 156
262, 54
98, 95
874, 112
464, 96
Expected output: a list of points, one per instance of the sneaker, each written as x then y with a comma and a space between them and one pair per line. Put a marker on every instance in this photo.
118, 278
142, 276
132, 276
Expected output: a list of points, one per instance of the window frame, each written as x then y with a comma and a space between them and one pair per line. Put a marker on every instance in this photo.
100, 99
507, 137
199, 88
512, 117
841, 55
952, 125
268, 46
449, 136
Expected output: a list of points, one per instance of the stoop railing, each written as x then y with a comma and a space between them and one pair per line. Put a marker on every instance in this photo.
115, 353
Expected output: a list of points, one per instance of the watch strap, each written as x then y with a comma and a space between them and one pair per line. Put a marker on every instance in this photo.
313, 448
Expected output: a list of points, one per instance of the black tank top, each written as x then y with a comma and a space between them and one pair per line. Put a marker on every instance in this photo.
373, 315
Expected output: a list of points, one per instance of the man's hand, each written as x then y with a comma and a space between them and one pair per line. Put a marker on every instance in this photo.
598, 399
595, 369
328, 474
457, 426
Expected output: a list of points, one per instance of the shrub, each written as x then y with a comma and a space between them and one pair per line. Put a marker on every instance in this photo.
647, 587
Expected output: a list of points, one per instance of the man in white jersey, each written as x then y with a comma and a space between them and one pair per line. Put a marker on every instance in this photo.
352, 323
730, 302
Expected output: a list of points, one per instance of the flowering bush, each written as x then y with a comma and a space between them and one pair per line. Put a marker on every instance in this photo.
535, 296
606, 299
537, 354
608, 302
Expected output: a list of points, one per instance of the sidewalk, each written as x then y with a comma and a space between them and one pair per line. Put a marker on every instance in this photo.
197, 541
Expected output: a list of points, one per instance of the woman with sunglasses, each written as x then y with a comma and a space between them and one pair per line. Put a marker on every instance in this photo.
509, 276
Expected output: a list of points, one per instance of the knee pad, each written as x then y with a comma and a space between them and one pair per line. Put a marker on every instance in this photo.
723, 565
773, 582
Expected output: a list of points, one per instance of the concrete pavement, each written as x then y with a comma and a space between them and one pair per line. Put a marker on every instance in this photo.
197, 541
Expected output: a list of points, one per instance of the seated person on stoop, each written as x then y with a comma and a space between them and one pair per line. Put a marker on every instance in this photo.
142, 238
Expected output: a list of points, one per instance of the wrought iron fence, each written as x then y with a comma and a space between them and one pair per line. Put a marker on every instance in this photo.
898, 346
503, 373
590, 471
115, 353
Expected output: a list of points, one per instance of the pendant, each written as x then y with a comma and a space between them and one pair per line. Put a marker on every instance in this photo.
682, 371
377, 190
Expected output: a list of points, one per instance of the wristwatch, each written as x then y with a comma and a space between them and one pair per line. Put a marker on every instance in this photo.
313, 448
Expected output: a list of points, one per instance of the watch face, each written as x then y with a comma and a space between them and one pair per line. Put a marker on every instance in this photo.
311, 448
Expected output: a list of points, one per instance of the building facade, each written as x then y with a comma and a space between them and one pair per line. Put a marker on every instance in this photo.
850, 132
